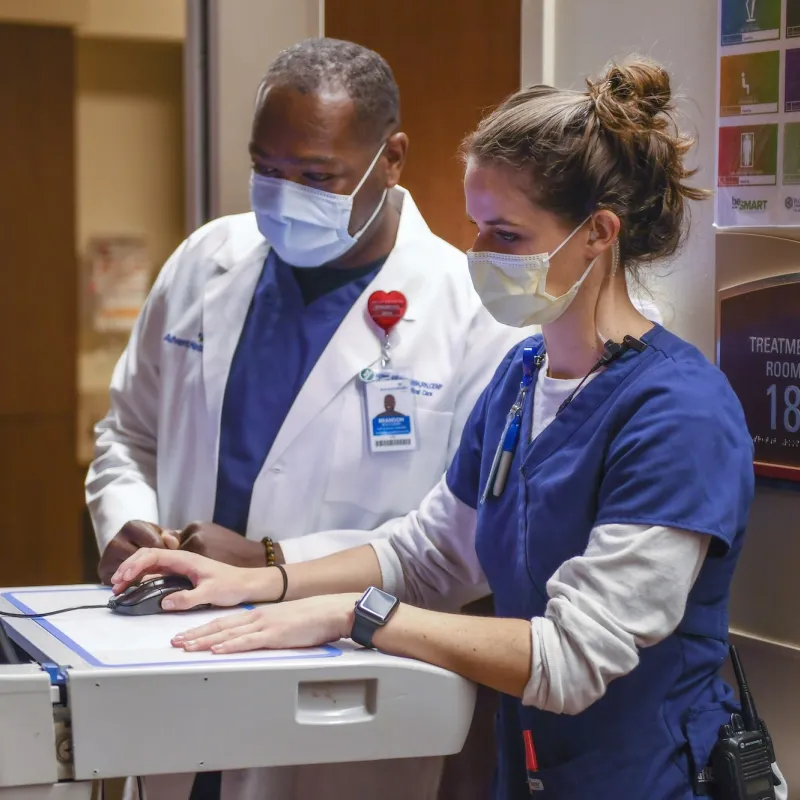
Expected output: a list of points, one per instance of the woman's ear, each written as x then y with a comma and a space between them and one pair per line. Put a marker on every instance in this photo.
605, 229
603, 232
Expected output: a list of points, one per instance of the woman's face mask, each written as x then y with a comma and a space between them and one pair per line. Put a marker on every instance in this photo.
512, 287
307, 227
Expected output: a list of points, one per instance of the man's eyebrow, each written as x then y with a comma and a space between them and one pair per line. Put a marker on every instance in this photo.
256, 151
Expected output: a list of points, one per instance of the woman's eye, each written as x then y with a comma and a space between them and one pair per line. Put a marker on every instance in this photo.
505, 236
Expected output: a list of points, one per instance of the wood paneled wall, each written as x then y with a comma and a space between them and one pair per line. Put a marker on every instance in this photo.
39, 507
453, 61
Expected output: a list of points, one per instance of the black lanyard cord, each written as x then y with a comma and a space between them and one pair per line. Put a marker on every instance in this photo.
611, 352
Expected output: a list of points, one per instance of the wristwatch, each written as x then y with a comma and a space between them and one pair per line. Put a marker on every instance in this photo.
373, 611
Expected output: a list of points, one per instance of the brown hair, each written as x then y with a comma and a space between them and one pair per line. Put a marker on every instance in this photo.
614, 146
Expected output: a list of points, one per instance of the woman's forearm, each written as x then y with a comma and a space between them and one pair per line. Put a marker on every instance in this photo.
493, 652
348, 571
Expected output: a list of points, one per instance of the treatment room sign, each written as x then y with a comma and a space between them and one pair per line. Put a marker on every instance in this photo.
758, 113
759, 352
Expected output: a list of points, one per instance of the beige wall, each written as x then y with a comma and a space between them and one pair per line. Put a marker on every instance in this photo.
130, 141
248, 35
155, 20
148, 19
130, 158
581, 36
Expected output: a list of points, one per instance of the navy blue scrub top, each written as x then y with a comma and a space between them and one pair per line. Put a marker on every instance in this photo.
292, 318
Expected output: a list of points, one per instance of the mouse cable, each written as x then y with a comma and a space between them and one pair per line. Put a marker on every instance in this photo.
49, 613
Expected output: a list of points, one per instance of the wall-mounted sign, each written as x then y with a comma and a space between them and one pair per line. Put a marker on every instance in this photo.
119, 269
758, 349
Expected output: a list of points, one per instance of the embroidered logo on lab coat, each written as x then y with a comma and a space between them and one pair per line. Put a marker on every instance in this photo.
189, 344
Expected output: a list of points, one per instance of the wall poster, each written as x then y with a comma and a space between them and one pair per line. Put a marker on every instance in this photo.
758, 113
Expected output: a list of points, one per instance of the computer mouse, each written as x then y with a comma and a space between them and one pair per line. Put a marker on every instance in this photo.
146, 597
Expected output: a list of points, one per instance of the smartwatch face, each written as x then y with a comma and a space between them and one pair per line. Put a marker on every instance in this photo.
377, 604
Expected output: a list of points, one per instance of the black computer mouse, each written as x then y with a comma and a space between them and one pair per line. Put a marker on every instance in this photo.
145, 597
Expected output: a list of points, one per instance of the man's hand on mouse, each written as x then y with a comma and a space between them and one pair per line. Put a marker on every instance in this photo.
218, 543
132, 536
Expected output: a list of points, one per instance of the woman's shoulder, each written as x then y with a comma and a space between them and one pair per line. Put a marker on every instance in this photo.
680, 378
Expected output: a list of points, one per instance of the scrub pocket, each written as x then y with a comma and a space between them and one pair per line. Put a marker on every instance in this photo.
608, 774
700, 727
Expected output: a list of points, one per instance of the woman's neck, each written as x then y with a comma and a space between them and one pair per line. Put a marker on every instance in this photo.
575, 340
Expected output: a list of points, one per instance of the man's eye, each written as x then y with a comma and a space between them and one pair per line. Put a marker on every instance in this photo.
317, 177
267, 172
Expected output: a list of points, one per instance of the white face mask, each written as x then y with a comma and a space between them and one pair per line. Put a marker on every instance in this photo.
512, 288
307, 227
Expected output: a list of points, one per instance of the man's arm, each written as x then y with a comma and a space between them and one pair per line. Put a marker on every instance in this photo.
121, 483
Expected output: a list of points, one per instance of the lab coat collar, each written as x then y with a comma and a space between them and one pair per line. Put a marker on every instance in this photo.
356, 343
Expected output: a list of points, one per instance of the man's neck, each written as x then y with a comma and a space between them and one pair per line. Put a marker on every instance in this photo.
378, 240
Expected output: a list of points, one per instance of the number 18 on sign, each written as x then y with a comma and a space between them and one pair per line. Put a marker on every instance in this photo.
759, 352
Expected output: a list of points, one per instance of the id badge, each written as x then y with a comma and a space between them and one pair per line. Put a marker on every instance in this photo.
390, 413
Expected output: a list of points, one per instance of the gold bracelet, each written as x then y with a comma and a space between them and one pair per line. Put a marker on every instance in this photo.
269, 547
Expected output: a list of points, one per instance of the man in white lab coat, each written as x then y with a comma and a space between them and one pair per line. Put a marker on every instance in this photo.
241, 411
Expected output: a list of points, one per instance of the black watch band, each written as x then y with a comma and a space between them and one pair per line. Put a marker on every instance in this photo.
363, 631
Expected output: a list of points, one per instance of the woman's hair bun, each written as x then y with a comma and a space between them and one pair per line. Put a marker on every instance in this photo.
632, 95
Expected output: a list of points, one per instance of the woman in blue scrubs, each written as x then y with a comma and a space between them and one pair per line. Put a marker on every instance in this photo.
602, 485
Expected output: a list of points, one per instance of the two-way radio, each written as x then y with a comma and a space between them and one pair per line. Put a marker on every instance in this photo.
741, 764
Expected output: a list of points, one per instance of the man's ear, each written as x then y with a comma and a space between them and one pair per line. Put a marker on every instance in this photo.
395, 154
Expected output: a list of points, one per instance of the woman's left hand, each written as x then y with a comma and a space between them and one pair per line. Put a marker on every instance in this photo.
299, 623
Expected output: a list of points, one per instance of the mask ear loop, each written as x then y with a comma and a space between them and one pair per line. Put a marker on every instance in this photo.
615, 261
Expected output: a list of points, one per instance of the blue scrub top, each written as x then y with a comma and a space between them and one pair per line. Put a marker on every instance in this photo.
659, 438
292, 318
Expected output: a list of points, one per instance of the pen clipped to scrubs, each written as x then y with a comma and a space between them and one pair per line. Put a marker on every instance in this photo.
504, 457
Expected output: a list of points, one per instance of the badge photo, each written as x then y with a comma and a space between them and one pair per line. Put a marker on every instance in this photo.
390, 413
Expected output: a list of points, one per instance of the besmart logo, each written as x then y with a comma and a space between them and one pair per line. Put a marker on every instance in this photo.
792, 203
739, 204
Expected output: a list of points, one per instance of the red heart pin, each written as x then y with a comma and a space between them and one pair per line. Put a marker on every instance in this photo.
387, 309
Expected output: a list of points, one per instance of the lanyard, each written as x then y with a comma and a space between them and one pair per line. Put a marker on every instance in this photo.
506, 447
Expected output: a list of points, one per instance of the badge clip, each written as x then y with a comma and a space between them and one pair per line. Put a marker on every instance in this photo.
386, 310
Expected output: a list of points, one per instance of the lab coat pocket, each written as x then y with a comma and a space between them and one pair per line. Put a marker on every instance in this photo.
388, 484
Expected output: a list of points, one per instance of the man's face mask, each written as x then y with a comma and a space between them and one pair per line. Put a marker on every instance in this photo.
307, 227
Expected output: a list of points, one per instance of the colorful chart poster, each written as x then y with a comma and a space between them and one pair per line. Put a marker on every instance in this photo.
792, 73
748, 156
758, 114
792, 19
750, 21
749, 84
791, 154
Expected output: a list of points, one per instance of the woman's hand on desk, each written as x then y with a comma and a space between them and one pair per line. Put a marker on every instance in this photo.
215, 583
300, 623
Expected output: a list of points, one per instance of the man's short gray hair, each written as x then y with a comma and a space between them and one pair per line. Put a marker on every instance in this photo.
324, 63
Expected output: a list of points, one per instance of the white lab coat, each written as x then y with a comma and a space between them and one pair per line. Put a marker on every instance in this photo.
156, 451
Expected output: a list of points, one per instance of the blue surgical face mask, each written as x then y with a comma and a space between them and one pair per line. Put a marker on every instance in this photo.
307, 227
